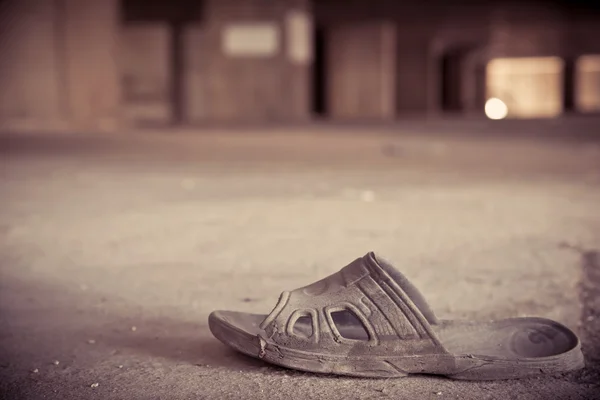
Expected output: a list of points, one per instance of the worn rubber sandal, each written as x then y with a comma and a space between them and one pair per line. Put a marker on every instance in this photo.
368, 320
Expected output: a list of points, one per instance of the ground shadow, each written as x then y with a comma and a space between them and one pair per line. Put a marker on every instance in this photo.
115, 325
190, 343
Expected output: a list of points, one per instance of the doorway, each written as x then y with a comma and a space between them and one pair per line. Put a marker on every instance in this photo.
586, 83
451, 81
319, 74
480, 88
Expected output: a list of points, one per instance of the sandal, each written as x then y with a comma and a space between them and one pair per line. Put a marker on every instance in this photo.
368, 320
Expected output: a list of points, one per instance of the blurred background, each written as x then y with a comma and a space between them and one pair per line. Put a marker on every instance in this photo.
161, 159
189, 62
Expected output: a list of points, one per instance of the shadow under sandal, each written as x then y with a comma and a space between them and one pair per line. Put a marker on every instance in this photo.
368, 320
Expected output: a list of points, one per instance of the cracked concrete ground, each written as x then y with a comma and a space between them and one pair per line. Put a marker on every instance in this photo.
114, 250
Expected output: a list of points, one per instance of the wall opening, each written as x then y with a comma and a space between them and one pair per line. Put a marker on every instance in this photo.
451, 81
530, 87
587, 84
568, 83
480, 88
319, 74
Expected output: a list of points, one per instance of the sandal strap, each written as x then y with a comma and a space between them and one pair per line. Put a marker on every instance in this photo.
364, 288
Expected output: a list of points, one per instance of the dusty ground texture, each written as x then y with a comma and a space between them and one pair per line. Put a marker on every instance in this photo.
114, 250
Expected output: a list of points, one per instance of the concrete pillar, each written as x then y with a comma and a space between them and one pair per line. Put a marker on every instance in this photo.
30, 88
196, 81
229, 86
361, 64
91, 32
298, 35
417, 71
145, 63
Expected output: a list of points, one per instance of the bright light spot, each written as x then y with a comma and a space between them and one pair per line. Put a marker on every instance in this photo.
495, 109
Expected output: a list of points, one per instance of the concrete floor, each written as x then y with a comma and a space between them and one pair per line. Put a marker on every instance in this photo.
114, 250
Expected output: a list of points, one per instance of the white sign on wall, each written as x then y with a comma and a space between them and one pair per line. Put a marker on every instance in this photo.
251, 39
299, 37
